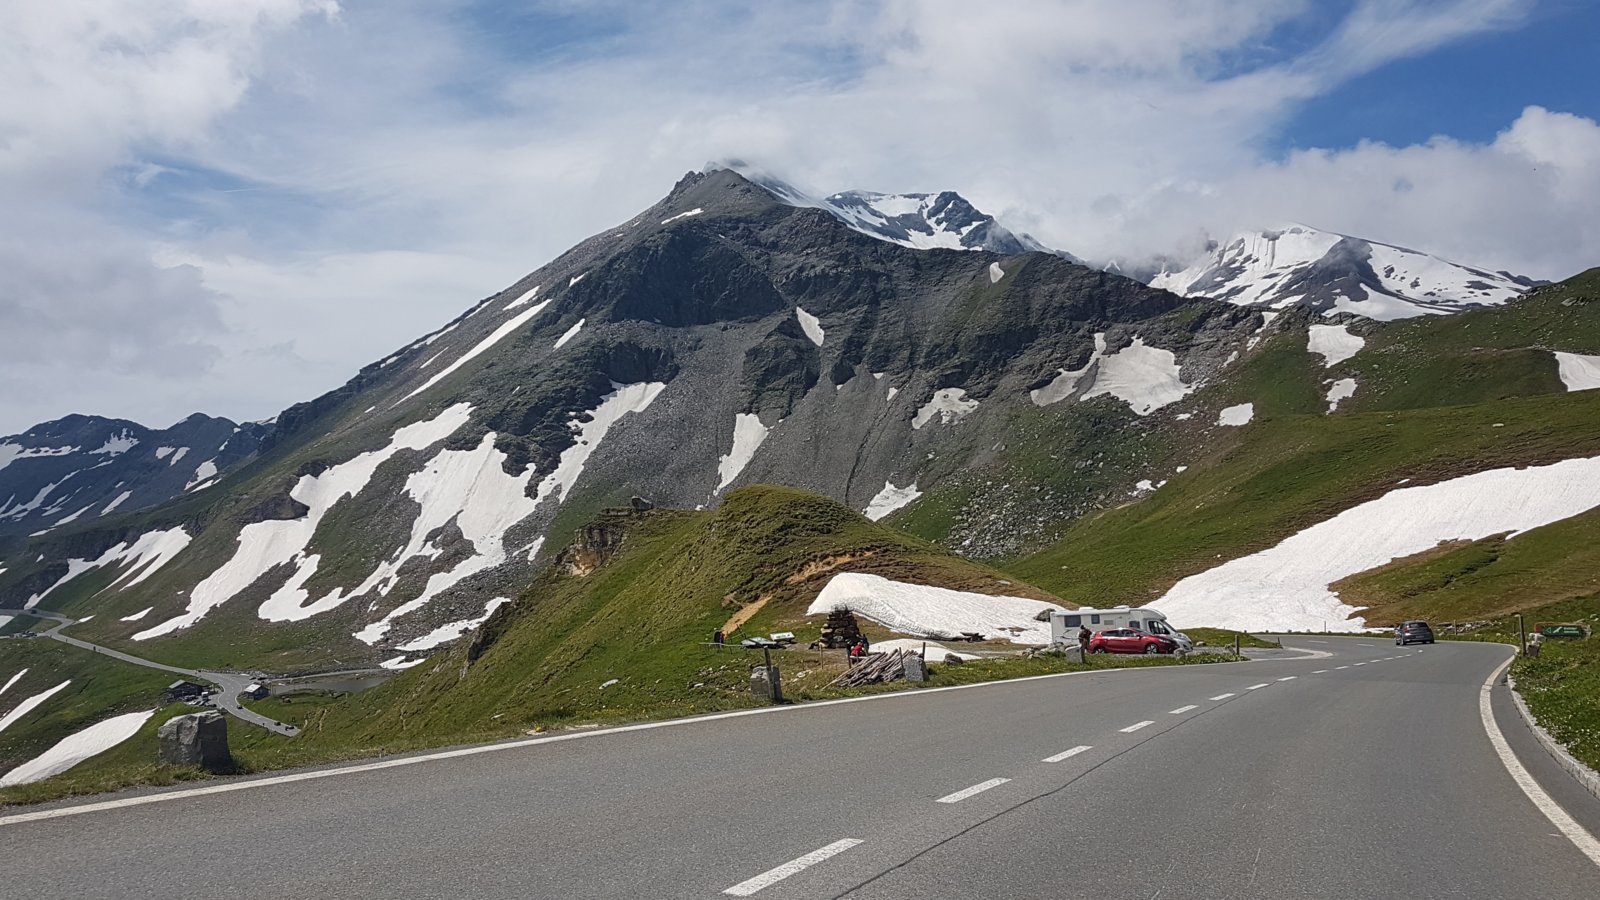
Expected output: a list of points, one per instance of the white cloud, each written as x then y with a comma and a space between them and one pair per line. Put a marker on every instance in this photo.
345, 180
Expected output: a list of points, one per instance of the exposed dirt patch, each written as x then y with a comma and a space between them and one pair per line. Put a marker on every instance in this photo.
744, 614
827, 564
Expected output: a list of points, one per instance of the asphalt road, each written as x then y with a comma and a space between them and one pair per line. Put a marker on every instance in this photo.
1366, 773
229, 684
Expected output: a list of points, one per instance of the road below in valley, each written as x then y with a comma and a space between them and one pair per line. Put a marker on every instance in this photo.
229, 684
1356, 769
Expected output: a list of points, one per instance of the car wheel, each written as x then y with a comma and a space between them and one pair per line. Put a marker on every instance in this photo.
1097, 650
1151, 649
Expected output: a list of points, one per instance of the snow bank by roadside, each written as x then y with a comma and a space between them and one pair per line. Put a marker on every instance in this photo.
936, 650
1286, 586
934, 612
77, 747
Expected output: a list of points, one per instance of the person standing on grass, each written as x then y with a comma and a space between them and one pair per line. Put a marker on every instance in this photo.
1083, 640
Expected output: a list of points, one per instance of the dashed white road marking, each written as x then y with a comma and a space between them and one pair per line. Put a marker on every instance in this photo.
1342, 667
978, 788
1319, 671
1257, 687
1132, 728
1552, 810
1366, 645
773, 876
1222, 696
1288, 678
1182, 709
1068, 754
1316, 642
1360, 664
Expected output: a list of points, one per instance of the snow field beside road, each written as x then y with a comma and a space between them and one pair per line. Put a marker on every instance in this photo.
934, 612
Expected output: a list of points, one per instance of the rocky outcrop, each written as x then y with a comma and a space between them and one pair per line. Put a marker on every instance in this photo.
198, 739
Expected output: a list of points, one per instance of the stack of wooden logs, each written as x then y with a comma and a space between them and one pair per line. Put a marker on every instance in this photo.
840, 631
874, 668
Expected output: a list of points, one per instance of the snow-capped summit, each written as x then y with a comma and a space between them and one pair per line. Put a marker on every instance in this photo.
1300, 266
945, 220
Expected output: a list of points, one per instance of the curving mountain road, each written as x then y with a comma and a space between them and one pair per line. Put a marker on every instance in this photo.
229, 684
1366, 773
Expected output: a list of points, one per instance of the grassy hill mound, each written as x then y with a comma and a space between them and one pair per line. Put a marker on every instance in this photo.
618, 627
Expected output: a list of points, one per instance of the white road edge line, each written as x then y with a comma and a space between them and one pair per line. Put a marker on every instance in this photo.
1577, 834
978, 788
1222, 696
1067, 754
1182, 709
268, 781
773, 876
1257, 687
1132, 728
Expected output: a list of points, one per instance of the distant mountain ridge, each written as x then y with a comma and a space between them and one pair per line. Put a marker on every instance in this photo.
81, 468
1333, 273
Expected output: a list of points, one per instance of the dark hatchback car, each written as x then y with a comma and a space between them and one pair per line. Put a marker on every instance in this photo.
1413, 633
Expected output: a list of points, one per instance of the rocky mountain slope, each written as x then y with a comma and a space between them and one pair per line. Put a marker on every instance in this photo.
1327, 272
83, 468
723, 337
1017, 408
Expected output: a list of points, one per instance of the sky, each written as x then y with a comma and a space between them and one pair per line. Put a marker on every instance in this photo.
229, 206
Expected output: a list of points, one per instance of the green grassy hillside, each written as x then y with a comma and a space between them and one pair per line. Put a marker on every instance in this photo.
618, 628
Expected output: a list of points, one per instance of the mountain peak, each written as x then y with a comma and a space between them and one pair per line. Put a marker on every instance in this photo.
922, 221
1297, 265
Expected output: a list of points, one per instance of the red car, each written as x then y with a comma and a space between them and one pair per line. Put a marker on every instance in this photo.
1130, 640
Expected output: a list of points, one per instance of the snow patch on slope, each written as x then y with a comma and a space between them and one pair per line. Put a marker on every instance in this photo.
570, 334
1062, 386
118, 444
996, 273
950, 405
1578, 373
934, 612
810, 324
144, 557
263, 546
522, 300
1334, 343
1343, 389
890, 499
1237, 415
1146, 378
120, 499
28, 705
494, 337
472, 487
748, 435
444, 634
77, 747
1286, 587
683, 215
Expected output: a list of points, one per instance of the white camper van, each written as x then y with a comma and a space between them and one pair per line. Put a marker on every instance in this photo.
1064, 625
